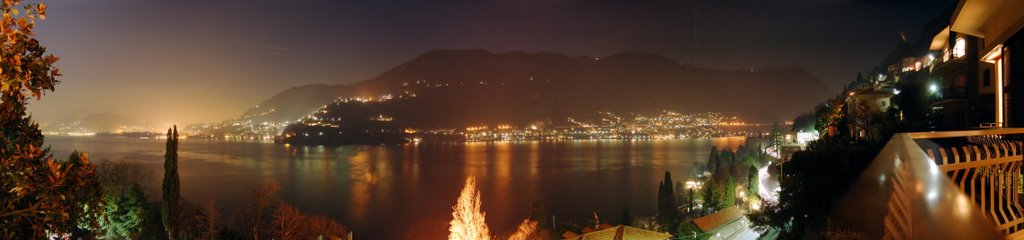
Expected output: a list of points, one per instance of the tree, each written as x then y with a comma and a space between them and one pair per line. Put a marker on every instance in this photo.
287, 222
123, 213
125, 206
730, 193
753, 183
712, 159
680, 191
538, 213
210, 215
322, 227
690, 203
263, 194
689, 230
667, 211
526, 230
775, 138
40, 195
816, 179
711, 195
170, 208
467, 218
120, 176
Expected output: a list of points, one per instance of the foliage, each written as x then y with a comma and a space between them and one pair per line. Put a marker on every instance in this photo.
125, 209
209, 219
36, 187
467, 218
286, 222
538, 213
262, 195
775, 138
688, 230
829, 116
714, 196
321, 226
123, 213
121, 176
43, 195
803, 123
730, 193
713, 162
40, 195
526, 230
667, 210
815, 179
171, 208
753, 184
290, 223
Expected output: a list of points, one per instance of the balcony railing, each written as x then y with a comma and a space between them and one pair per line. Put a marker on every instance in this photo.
940, 185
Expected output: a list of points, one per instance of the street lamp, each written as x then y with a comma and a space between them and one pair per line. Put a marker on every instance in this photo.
933, 88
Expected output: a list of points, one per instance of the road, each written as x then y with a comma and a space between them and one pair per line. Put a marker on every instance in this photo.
767, 185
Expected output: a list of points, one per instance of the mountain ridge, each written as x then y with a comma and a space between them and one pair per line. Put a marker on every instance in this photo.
624, 82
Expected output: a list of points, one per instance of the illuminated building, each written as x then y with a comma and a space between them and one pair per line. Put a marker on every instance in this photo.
862, 106
980, 51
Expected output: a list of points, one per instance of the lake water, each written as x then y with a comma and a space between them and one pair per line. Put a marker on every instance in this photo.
407, 192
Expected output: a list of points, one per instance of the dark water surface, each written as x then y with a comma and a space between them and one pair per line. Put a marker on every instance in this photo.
406, 192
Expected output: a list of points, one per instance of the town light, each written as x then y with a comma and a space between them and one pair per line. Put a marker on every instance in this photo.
896, 92
933, 88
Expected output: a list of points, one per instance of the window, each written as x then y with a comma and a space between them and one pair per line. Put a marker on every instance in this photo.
960, 48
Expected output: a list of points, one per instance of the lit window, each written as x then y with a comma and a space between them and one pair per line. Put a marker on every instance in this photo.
960, 48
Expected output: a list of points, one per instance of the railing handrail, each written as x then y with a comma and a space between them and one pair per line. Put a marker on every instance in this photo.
964, 133
929, 205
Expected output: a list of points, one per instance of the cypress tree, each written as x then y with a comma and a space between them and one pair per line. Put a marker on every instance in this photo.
730, 193
712, 160
753, 184
666, 202
171, 187
690, 203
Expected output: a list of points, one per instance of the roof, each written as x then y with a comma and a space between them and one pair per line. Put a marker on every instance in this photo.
717, 219
940, 40
622, 232
993, 20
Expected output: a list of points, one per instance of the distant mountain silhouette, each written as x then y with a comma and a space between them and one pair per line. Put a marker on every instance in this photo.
459, 87
100, 122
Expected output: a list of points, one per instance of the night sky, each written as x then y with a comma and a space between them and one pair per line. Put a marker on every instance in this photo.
188, 61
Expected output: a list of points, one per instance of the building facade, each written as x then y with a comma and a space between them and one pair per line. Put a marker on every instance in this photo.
979, 69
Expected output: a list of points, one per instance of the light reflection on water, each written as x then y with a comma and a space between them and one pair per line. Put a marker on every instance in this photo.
394, 192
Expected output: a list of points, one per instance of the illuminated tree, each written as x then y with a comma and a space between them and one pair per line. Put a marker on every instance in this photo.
525, 231
170, 208
38, 195
730, 193
467, 219
123, 213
